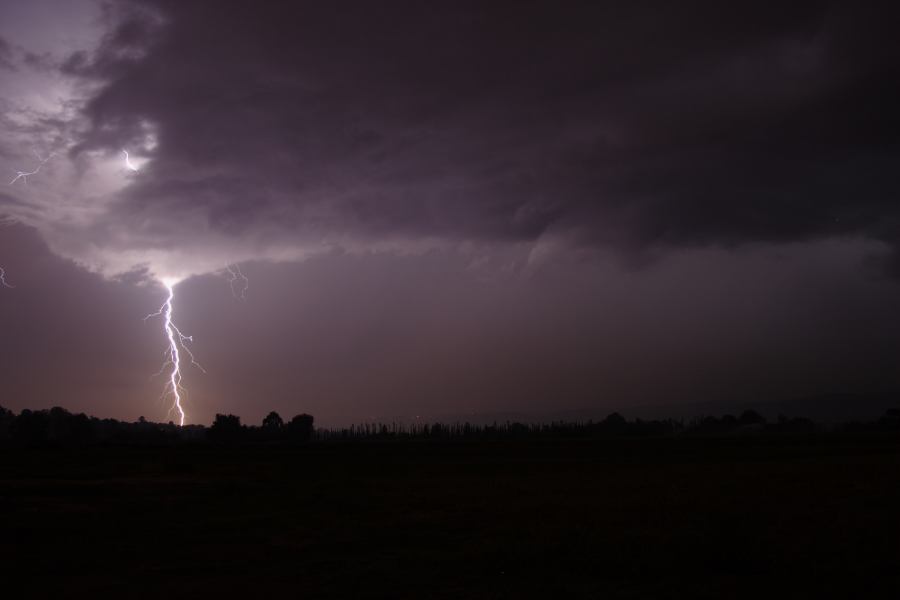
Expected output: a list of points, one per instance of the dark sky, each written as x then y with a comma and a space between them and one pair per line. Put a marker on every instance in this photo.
449, 208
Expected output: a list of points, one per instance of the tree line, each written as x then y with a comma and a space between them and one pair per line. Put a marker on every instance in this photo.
61, 427
58, 426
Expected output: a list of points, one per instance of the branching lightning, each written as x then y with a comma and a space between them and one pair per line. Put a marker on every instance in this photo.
177, 344
24, 175
238, 281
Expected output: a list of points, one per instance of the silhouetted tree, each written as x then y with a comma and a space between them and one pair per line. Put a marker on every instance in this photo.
60, 424
80, 430
614, 424
6, 419
300, 428
225, 429
30, 427
273, 421
751, 417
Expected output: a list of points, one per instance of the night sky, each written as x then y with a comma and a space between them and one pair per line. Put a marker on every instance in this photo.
448, 210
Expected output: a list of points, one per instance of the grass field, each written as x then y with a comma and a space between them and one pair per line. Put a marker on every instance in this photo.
753, 516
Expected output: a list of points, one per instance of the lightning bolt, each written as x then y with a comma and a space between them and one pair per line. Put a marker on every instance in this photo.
238, 281
24, 175
128, 164
177, 344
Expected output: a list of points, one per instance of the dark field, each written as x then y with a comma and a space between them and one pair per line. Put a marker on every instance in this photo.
695, 517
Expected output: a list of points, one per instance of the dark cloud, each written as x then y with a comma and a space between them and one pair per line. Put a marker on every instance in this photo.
455, 178
629, 124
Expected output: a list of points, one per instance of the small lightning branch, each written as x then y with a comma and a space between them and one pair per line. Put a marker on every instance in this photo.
238, 281
177, 345
24, 175
5, 221
128, 164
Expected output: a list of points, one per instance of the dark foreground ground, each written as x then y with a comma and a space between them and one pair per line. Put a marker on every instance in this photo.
730, 517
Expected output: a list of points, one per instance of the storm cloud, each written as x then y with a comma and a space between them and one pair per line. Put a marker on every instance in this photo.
276, 130
594, 190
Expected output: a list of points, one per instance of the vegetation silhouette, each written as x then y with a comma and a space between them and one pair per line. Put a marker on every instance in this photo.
714, 507
57, 426
273, 422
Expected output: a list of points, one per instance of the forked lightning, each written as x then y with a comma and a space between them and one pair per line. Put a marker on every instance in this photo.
24, 175
238, 281
177, 343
